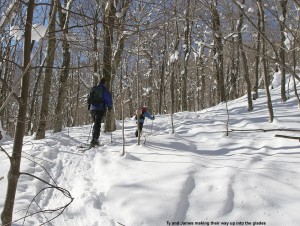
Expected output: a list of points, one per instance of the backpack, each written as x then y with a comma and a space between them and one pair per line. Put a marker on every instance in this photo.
96, 95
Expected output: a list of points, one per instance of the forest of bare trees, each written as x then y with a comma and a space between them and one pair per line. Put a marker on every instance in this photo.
171, 55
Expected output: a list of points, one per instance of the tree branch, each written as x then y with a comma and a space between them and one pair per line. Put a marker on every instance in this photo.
2, 149
9, 89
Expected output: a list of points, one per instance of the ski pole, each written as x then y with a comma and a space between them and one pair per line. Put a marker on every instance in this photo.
151, 127
90, 133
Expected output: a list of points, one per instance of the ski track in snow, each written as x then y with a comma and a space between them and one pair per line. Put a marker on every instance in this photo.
183, 204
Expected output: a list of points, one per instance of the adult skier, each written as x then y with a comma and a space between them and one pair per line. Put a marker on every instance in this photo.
98, 100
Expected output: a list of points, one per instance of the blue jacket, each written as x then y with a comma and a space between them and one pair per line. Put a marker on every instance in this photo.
106, 98
144, 114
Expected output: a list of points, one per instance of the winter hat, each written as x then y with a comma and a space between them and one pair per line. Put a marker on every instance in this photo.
102, 81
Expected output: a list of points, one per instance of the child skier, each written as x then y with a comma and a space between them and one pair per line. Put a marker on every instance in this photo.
140, 118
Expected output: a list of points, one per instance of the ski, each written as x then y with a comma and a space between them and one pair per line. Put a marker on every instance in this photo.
84, 148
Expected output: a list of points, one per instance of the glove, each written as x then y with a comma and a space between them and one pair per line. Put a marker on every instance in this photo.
109, 108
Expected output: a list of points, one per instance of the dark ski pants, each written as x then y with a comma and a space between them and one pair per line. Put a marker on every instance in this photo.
140, 128
97, 116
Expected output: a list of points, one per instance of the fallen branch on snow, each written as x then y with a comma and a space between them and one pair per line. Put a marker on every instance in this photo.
288, 137
263, 130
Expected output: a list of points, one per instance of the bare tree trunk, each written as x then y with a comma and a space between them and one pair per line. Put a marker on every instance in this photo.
266, 79
123, 123
62, 90
257, 58
76, 119
173, 65
162, 78
41, 130
186, 56
149, 80
245, 61
117, 57
32, 112
218, 52
198, 85
294, 67
130, 102
234, 68
96, 76
15, 159
138, 89
203, 81
108, 26
283, 4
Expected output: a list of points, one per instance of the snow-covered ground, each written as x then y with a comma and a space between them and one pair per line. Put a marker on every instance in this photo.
197, 176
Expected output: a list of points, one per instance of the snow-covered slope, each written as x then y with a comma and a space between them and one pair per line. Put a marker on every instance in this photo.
197, 176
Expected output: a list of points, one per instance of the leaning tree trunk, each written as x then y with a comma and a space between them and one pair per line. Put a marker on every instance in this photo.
257, 58
8, 15
41, 130
266, 79
15, 159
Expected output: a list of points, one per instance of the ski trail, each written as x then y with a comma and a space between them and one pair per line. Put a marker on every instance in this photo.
87, 207
229, 202
183, 204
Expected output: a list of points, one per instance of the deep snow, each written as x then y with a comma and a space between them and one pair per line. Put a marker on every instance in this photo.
197, 176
